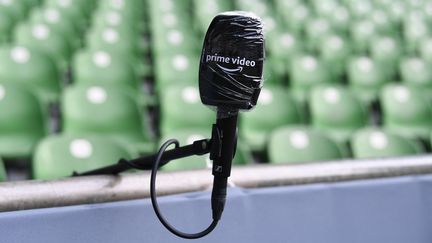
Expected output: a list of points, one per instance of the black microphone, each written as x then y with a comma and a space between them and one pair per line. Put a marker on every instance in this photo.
230, 79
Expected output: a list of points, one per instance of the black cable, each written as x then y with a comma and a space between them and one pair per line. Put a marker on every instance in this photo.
155, 203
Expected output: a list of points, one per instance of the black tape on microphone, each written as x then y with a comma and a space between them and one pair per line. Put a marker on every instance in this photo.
231, 66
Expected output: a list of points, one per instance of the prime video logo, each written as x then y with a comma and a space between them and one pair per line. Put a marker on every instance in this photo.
233, 60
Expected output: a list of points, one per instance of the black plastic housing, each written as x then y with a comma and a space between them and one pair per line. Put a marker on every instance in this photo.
231, 65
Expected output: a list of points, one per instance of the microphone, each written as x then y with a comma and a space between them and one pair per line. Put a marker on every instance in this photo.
230, 79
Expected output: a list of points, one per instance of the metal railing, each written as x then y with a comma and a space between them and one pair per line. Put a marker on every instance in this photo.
97, 189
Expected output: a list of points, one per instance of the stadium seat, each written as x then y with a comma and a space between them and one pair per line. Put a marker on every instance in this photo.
296, 19
120, 40
73, 10
101, 67
414, 30
301, 144
325, 8
378, 143
386, 51
366, 78
382, 22
54, 20
284, 47
396, 11
44, 39
335, 52
173, 39
337, 112
360, 9
22, 121
317, 29
275, 108
340, 19
181, 108
205, 10
179, 68
361, 32
60, 155
305, 72
40, 74
406, 111
417, 73
105, 110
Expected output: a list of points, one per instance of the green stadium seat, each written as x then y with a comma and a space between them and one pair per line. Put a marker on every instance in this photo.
396, 10
360, 9
284, 47
275, 108
361, 33
296, 19
386, 51
122, 40
131, 8
340, 19
301, 144
40, 74
382, 22
116, 19
286, 6
172, 40
335, 52
73, 10
378, 143
305, 72
316, 30
60, 155
205, 10
107, 111
22, 121
42, 38
337, 112
325, 8
54, 20
366, 78
414, 30
417, 73
406, 111
178, 68
181, 108
101, 67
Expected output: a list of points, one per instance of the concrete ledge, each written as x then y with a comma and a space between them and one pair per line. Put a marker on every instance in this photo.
96, 189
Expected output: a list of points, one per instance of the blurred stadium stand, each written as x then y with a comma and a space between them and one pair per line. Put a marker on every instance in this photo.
343, 79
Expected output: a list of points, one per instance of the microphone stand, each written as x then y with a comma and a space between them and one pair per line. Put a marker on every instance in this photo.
199, 147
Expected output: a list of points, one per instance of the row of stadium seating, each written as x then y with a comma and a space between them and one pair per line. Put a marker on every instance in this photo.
343, 78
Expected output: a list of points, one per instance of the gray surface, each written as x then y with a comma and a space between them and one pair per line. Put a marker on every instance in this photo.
389, 210
97, 189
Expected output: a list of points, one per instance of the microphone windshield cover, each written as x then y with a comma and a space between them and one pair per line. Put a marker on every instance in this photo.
231, 65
